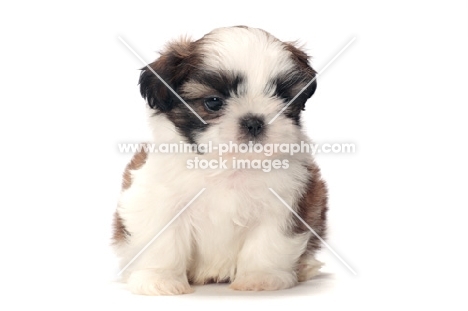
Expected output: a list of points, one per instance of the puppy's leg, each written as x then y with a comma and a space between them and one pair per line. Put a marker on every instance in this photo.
268, 259
160, 269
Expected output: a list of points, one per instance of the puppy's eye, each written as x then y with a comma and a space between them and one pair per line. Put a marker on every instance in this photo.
213, 103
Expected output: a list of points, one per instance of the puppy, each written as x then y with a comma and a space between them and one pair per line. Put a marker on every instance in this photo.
235, 229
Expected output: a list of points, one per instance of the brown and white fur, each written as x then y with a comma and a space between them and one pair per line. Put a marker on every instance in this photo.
237, 230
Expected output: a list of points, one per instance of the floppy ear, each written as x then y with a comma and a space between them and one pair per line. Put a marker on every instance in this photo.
171, 67
302, 61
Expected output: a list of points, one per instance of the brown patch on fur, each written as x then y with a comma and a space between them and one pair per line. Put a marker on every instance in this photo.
136, 163
120, 232
312, 208
193, 89
300, 57
174, 65
177, 63
307, 75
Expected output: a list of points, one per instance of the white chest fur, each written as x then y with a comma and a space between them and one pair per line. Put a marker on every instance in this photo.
207, 238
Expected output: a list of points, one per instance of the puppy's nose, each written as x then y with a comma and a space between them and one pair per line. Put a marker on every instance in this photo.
253, 125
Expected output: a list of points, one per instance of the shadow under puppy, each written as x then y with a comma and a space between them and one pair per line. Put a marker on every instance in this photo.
236, 79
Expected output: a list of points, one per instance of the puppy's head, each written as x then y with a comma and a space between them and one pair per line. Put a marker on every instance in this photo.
237, 80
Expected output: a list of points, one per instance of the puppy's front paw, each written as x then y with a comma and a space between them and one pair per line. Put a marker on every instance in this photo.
258, 281
152, 283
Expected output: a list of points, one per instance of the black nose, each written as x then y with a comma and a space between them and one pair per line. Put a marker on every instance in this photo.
253, 125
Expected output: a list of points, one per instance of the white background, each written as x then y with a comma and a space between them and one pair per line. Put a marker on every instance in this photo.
398, 216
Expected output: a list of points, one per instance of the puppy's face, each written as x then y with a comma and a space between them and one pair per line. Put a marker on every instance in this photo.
237, 79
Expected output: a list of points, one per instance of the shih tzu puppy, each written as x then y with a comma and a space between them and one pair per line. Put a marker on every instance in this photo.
234, 222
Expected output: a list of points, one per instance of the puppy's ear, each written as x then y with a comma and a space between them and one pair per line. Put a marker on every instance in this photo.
302, 61
172, 67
